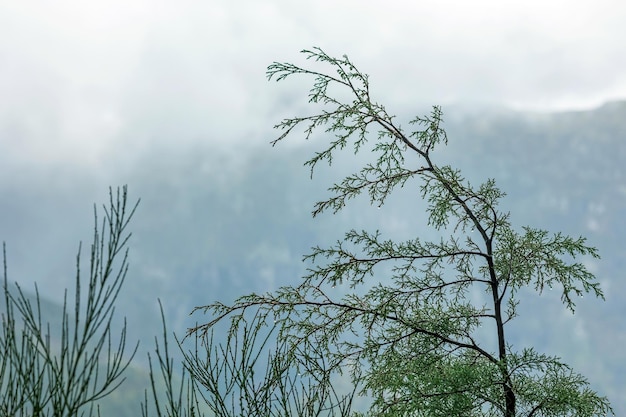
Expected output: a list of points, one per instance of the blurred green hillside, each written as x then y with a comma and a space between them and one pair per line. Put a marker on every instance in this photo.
218, 223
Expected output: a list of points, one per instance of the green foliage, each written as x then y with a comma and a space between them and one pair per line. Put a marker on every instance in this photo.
420, 328
64, 371
70, 365
180, 393
251, 376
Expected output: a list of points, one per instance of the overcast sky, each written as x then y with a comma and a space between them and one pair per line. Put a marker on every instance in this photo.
80, 78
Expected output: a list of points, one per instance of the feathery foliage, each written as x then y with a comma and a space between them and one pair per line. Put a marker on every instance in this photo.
408, 335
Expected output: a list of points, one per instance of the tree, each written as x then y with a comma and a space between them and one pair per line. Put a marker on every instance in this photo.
64, 370
408, 334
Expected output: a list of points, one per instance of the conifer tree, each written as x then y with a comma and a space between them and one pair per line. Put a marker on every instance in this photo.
407, 335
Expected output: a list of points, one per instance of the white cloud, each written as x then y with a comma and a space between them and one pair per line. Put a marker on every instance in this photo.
79, 79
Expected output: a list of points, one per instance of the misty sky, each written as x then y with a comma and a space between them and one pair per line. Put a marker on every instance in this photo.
79, 79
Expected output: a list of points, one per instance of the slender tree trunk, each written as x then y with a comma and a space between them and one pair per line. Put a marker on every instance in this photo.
509, 394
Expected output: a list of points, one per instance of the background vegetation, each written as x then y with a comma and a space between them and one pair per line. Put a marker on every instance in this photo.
215, 223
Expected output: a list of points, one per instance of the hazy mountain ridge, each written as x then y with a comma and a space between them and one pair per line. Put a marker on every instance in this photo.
215, 225
557, 175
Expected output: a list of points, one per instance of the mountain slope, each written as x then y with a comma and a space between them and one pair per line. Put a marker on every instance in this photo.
219, 223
